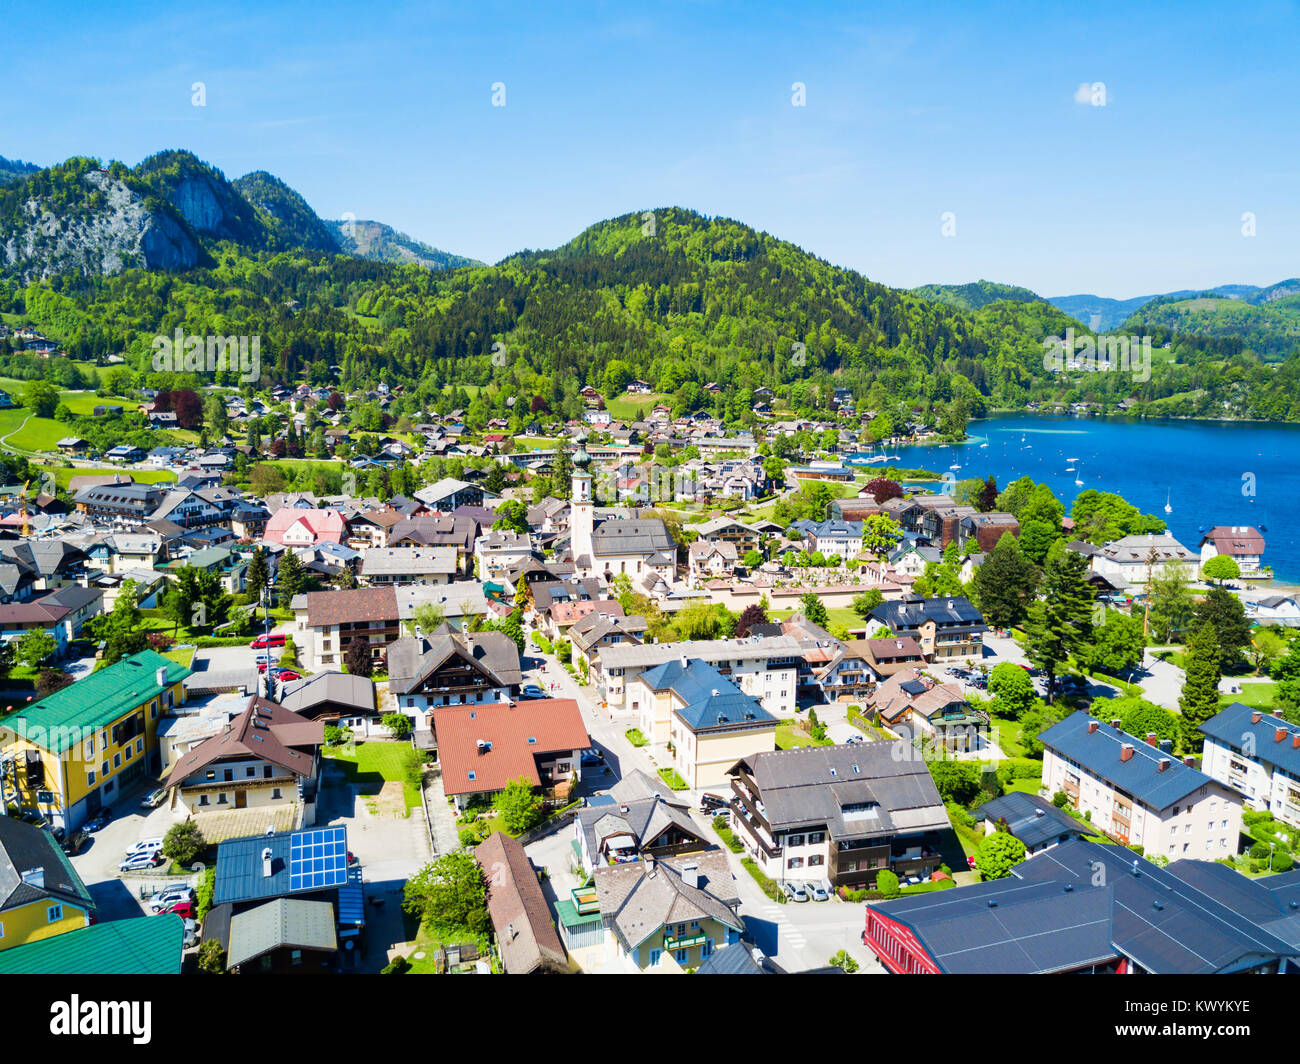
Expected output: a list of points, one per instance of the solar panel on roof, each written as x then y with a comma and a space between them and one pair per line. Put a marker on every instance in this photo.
318, 859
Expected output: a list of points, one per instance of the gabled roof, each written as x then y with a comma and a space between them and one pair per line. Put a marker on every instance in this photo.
58, 721
412, 662
264, 730
526, 936
285, 922
27, 848
145, 945
1029, 817
1100, 752
1276, 740
641, 897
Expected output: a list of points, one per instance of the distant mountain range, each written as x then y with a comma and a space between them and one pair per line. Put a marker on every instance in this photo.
1265, 319
168, 213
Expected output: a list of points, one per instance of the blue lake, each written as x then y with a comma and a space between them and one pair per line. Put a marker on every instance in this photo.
1211, 473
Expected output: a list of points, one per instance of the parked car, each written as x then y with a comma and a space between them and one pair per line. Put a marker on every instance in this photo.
153, 845
264, 661
154, 798
184, 909
100, 820
73, 844
854, 739
709, 802
288, 674
140, 861
592, 756
191, 934
168, 897
264, 641
820, 891
531, 690
795, 891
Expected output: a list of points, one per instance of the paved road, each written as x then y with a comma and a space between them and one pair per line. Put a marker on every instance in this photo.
1163, 682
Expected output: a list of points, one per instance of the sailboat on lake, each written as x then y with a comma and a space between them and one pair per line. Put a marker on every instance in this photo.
1168, 509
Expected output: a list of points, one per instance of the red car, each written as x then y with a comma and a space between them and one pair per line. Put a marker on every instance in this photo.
263, 642
288, 674
183, 909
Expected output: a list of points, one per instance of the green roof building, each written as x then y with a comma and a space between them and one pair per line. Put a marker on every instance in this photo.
79, 748
147, 945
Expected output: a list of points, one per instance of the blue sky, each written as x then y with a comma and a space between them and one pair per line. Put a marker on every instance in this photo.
912, 110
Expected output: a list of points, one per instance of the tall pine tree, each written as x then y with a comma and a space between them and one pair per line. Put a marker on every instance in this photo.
1005, 583
1200, 698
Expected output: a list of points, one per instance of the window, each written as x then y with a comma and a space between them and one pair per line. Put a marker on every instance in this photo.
203, 799
275, 793
103, 769
2, 930
90, 748
54, 914
794, 840
682, 956
229, 775
266, 772
221, 798
251, 770
295, 957
153, 709
139, 746
211, 774
90, 779
816, 860
117, 760
795, 862
816, 838
655, 954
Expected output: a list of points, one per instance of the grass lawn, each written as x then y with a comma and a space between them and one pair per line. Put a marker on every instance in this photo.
1255, 695
1006, 733
789, 737
63, 474
1029, 786
535, 443
835, 617
38, 433
632, 407
181, 655
673, 778
429, 939
373, 764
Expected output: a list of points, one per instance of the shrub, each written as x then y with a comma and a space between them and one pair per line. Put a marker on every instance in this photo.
399, 965
727, 836
333, 734
183, 842
1260, 849
468, 838
212, 958
203, 893
399, 724
765, 884
843, 960
635, 737
1283, 861
1060, 799
887, 883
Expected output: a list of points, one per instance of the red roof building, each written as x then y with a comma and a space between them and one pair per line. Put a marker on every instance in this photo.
484, 747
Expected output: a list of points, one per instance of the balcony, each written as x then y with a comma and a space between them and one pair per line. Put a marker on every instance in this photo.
755, 829
675, 942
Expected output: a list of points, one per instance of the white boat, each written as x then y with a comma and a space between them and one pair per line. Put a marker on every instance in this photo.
1168, 509
1069, 469
983, 444
1071, 459
954, 467
1078, 483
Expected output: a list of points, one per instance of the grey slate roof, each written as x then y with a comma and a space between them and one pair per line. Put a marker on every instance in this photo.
643, 536
637, 899
285, 922
1230, 727
1099, 753
25, 847
493, 654
1029, 817
812, 785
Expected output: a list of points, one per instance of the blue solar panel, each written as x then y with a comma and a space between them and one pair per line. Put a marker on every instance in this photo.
318, 859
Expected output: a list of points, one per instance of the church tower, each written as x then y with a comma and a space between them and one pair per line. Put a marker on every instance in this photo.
581, 514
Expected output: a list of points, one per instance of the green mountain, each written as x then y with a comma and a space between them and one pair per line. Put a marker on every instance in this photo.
1103, 314
975, 295
383, 243
1264, 323
285, 214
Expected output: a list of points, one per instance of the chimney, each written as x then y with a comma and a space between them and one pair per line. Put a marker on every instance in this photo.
683, 661
35, 877
649, 862
1115, 723
1279, 734
266, 863
1126, 752
1256, 717
1092, 726
1151, 738
1295, 741
1166, 746
1040, 812
1164, 764
161, 676
691, 874
1277, 712
1189, 761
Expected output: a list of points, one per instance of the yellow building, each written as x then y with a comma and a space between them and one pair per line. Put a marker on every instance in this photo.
701, 723
75, 751
40, 894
